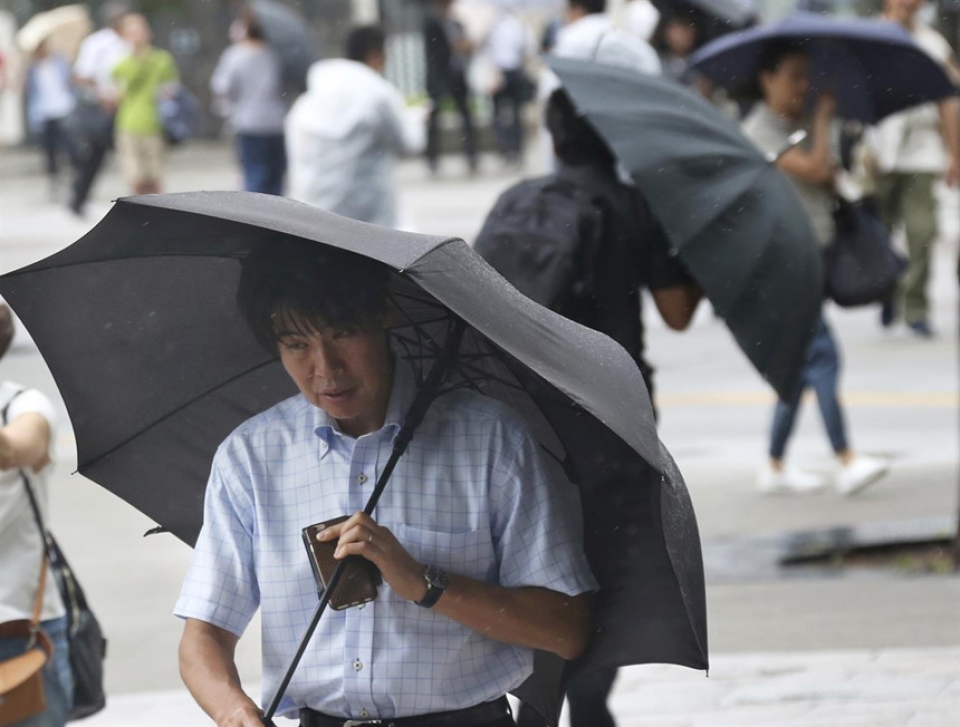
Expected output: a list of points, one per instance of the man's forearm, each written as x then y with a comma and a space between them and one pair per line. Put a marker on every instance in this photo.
533, 617
208, 669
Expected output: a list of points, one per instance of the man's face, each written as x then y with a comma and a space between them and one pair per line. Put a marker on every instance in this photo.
785, 89
136, 30
345, 371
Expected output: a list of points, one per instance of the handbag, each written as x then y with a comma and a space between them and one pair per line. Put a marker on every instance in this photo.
860, 264
88, 647
21, 678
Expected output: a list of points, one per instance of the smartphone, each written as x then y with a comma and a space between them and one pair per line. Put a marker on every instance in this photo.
359, 582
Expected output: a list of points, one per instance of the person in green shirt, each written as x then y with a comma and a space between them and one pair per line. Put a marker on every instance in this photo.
140, 78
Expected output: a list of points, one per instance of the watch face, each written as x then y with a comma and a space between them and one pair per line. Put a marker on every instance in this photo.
435, 577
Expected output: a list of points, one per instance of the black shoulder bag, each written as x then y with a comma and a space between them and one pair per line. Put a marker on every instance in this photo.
88, 647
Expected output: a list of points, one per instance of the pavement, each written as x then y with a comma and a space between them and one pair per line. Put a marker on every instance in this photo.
858, 647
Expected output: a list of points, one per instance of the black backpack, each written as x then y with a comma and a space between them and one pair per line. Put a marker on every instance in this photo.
543, 236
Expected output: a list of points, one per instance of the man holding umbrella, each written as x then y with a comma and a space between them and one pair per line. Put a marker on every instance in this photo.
480, 554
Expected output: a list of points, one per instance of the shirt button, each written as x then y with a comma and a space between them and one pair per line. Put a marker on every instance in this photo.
364, 714
357, 665
361, 478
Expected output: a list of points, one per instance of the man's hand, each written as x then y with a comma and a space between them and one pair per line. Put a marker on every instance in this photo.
826, 107
360, 535
242, 717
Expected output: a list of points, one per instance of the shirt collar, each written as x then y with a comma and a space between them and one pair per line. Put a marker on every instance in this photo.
402, 391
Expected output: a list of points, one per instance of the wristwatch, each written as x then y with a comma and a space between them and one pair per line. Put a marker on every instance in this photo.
437, 582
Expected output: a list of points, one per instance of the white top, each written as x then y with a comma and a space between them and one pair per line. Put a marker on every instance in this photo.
343, 136
911, 141
640, 19
98, 56
21, 547
509, 42
54, 96
593, 37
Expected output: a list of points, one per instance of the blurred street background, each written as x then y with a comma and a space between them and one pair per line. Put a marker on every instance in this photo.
869, 643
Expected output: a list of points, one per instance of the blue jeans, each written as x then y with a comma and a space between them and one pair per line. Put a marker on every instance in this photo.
57, 677
820, 372
263, 158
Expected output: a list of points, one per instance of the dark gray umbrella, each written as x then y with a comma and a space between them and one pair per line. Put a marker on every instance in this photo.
138, 324
733, 218
291, 38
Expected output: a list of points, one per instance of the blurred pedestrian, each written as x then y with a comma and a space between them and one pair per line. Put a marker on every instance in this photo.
93, 73
509, 46
677, 36
27, 421
141, 78
248, 89
784, 81
448, 52
913, 149
627, 251
50, 99
589, 35
344, 134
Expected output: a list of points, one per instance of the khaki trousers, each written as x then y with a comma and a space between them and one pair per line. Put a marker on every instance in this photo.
909, 198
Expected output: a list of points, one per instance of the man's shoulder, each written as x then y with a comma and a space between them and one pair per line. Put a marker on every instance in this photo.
18, 399
933, 43
468, 405
285, 416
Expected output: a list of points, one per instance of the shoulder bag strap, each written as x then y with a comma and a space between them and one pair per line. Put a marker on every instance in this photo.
38, 601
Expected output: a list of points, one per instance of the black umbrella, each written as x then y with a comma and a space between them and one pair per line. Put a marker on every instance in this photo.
138, 324
733, 218
291, 38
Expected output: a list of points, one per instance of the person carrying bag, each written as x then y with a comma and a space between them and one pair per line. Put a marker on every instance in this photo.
21, 677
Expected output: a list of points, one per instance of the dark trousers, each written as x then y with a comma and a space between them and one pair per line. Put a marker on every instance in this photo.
508, 102
90, 158
820, 373
55, 142
263, 159
586, 701
455, 89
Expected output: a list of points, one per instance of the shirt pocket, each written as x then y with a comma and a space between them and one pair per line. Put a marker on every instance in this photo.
466, 553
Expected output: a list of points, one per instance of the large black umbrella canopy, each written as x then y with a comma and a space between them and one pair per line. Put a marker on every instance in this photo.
873, 66
733, 218
138, 324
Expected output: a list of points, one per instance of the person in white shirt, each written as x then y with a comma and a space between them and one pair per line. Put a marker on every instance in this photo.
508, 46
27, 420
640, 19
590, 35
912, 150
344, 134
93, 73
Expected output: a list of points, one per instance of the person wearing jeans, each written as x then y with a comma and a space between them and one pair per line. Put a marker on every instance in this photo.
784, 80
57, 676
248, 87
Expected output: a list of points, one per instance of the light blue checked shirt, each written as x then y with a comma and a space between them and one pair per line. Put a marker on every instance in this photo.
471, 495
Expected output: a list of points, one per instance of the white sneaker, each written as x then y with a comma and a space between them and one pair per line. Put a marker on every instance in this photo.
788, 482
859, 473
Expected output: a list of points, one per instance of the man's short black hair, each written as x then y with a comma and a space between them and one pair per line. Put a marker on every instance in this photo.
306, 284
590, 7
6, 328
364, 41
575, 141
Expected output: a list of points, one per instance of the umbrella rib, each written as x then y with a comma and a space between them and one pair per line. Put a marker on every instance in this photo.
172, 413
